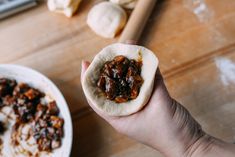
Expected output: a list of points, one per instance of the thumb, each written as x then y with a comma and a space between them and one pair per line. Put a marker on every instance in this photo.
85, 65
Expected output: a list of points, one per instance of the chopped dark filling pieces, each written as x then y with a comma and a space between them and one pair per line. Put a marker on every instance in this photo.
6, 86
26, 101
120, 79
2, 128
47, 126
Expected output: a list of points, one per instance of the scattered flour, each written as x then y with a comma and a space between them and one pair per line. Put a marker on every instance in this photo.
227, 70
216, 36
200, 9
205, 15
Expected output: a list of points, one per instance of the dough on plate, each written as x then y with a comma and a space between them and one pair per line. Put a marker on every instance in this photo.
66, 7
148, 70
106, 19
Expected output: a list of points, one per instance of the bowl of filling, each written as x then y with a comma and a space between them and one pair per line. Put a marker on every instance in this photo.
31, 119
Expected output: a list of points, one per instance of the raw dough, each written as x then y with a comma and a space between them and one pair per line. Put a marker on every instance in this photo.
127, 4
67, 7
121, 2
106, 19
130, 5
94, 95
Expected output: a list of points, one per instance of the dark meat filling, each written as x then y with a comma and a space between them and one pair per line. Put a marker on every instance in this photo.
1, 103
120, 79
2, 128
26, 101
47, 126
6, 86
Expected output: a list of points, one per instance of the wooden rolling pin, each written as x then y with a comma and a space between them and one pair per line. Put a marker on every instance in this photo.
137, 21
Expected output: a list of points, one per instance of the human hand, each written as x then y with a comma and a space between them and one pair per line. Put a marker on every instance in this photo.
163, 123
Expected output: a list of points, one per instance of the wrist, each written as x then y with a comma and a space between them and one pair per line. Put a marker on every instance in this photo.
187, 133
208, 146
200, 147
192, 141
181, 132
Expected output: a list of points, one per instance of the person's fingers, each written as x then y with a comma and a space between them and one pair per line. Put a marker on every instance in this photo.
85, 65
158, 76
158, 82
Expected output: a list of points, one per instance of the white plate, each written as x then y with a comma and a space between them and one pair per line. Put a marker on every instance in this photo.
41, 82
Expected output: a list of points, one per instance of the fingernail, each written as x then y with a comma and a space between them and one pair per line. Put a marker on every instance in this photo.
83, 63
82, 66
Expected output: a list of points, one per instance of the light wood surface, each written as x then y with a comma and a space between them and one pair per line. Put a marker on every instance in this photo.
196, 53
137, 21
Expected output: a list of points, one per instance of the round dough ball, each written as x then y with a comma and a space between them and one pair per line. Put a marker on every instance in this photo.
106, 19
130, 5
121, 2
148, 70
127, 4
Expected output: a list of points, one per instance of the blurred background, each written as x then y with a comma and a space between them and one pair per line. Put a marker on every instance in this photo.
193, 39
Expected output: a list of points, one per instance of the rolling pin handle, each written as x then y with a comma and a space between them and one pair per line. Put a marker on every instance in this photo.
137, 21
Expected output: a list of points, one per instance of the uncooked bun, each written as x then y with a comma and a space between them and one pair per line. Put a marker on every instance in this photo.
106, 19
127, 4
148, 70
66, 7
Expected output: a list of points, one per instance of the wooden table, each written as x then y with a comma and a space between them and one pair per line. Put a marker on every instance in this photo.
196, 52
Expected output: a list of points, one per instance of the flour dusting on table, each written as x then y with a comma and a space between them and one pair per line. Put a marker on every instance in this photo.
227, 70
200, 9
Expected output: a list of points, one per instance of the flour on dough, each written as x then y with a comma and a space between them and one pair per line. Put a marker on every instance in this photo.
148, 70
66, 7
127, 4
106, 19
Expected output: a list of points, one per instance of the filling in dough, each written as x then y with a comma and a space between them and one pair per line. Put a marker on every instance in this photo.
120, 79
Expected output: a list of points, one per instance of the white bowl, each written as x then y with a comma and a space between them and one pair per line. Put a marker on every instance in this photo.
41, 82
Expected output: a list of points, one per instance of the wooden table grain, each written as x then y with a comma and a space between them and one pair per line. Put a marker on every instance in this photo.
195, 46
